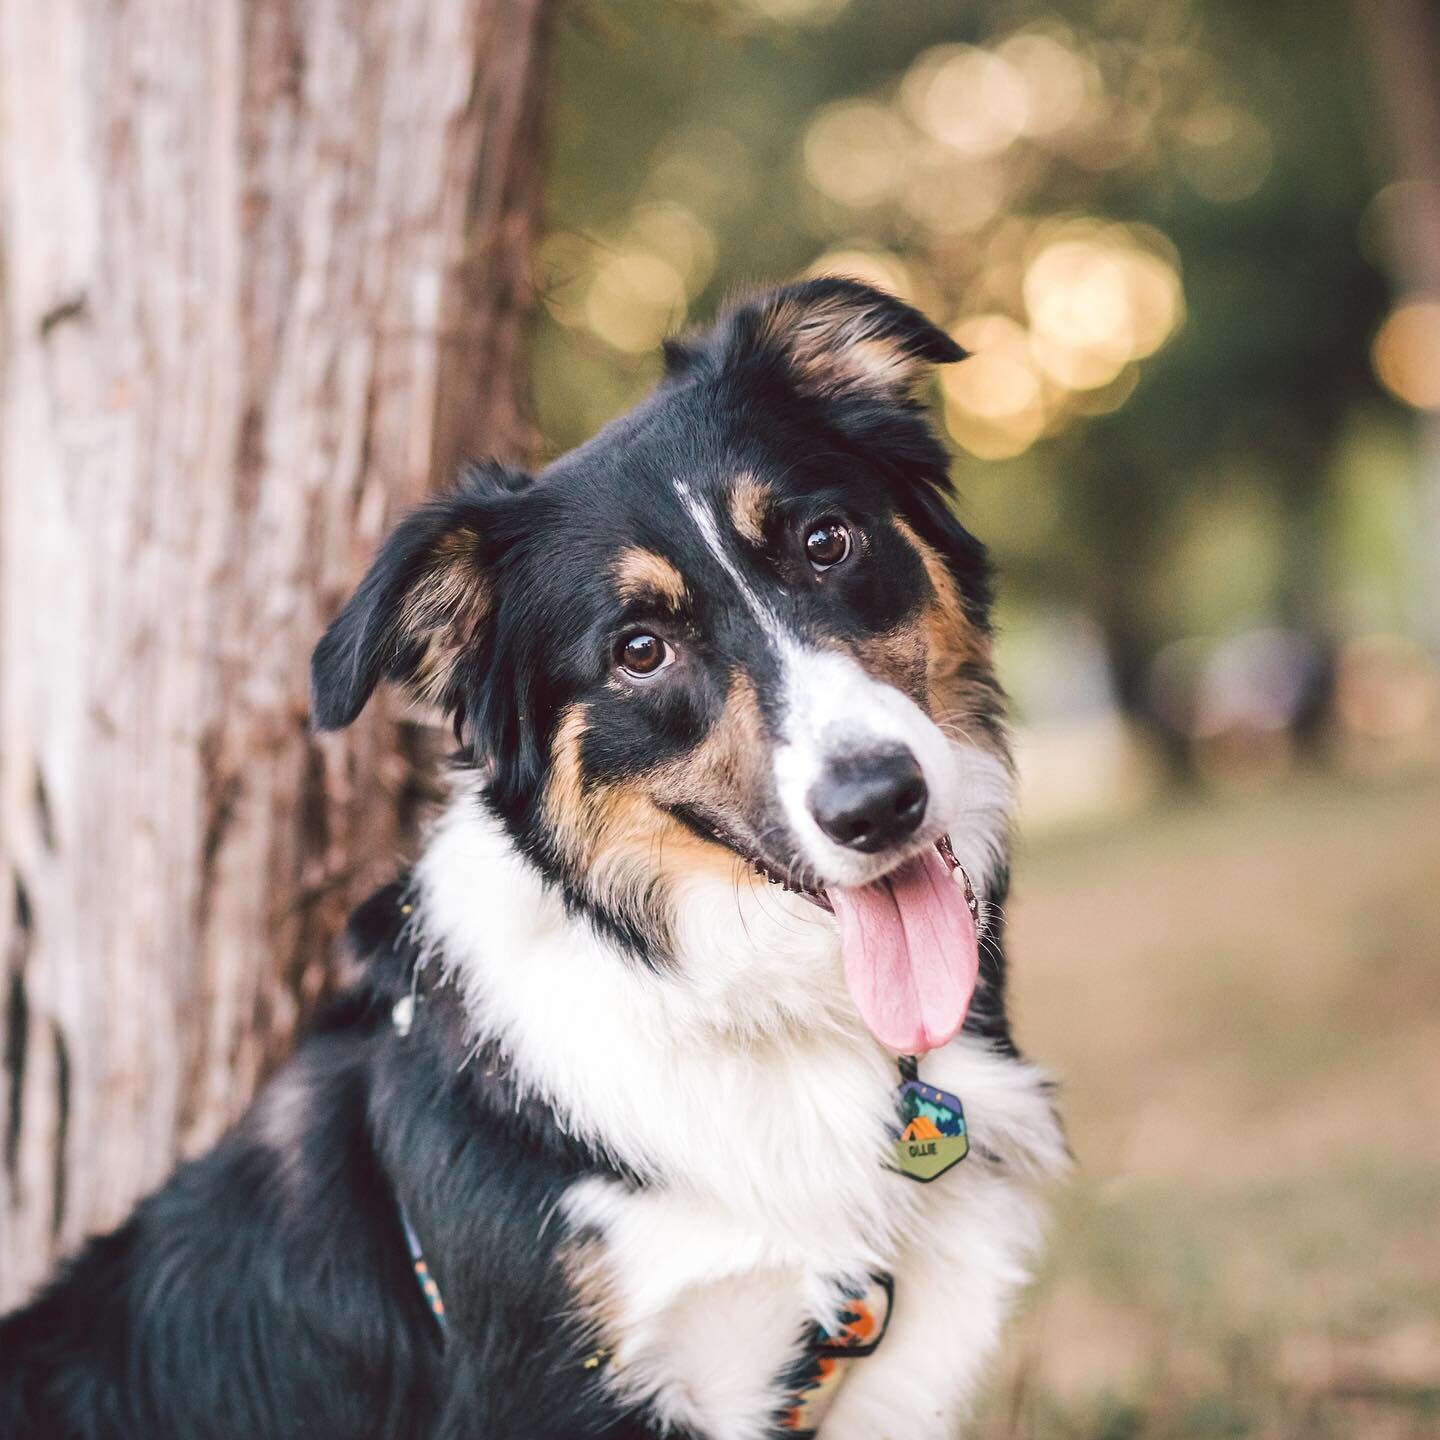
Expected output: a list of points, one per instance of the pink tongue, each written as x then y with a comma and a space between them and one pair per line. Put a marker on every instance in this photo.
911, 955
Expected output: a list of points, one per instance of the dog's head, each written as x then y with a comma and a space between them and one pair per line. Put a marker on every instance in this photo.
739, 631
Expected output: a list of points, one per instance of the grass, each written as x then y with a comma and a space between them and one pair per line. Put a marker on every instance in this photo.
1241, 997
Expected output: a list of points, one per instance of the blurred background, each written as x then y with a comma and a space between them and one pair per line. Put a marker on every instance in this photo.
1194, 247
269, 268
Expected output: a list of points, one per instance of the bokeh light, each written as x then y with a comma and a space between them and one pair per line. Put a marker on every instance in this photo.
970, 99
1098, 301
635, 299
1225, 153
1407, 354
945, 196
854, 152
1058, 81
994, 401
793, 11
1062, 308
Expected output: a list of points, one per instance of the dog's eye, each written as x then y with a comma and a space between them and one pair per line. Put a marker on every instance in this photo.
642, 655
827, 545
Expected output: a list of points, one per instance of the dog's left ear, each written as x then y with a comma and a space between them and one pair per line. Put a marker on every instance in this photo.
422, 607
839, 337
862, 354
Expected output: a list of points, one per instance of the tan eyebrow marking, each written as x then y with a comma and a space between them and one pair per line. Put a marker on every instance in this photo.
705, 522
749, 503
642, 573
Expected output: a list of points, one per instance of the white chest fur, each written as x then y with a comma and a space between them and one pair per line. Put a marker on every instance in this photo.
744, 1092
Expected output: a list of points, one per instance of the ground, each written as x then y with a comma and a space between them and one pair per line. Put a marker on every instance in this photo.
1241, 997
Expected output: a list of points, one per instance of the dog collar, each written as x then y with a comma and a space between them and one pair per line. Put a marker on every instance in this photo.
402, 1017
426, 1281
932, 1139
814, 1380
810, 1384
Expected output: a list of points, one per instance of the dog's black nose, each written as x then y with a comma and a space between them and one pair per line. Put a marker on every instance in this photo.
870, 802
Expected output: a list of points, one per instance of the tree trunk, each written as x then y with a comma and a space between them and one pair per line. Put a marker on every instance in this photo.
264, 280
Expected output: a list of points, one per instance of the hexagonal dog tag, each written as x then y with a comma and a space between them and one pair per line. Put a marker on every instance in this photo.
932, 1135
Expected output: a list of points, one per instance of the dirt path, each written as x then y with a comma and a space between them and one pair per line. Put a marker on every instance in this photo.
1242, 998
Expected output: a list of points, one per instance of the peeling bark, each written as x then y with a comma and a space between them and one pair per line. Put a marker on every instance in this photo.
264, 281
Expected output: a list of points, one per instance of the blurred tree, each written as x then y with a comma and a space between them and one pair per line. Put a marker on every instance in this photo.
1281, 303
264, 277
1143, 216
1404, 38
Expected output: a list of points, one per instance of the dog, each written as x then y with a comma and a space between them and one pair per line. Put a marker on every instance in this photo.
677, 1096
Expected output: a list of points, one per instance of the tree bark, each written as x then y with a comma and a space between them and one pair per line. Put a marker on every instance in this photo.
264, 281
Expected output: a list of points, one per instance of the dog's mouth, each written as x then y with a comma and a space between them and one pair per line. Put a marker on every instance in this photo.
909, 942
821, 897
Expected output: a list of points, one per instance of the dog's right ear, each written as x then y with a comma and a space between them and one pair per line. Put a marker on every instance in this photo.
422, 606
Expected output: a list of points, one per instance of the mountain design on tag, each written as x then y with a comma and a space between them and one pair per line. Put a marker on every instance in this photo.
933, 1136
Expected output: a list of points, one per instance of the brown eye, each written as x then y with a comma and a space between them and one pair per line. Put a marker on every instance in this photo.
642, 655
827, 545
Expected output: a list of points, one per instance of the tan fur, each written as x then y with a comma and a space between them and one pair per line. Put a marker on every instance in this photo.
565, 800
642, 574
728, 764
444, 609
957, 655
619, 837
750, 502
900, 657
832, 345
597, 1311
619, 843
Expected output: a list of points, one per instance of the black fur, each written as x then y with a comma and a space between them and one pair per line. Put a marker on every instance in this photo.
542, 550
265, 1290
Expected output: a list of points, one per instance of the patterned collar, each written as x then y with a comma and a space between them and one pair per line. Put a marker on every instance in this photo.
428, 1288
813, 1380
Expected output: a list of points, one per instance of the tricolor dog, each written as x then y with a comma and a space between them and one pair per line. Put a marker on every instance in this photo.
678, 1097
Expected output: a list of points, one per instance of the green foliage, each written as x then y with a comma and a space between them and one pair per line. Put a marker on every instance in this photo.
1219, 147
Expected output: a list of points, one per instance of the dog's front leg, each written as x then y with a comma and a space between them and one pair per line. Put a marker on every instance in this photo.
699, 1314
953, 1287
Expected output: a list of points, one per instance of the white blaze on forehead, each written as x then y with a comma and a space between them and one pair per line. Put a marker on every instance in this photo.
705, 522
